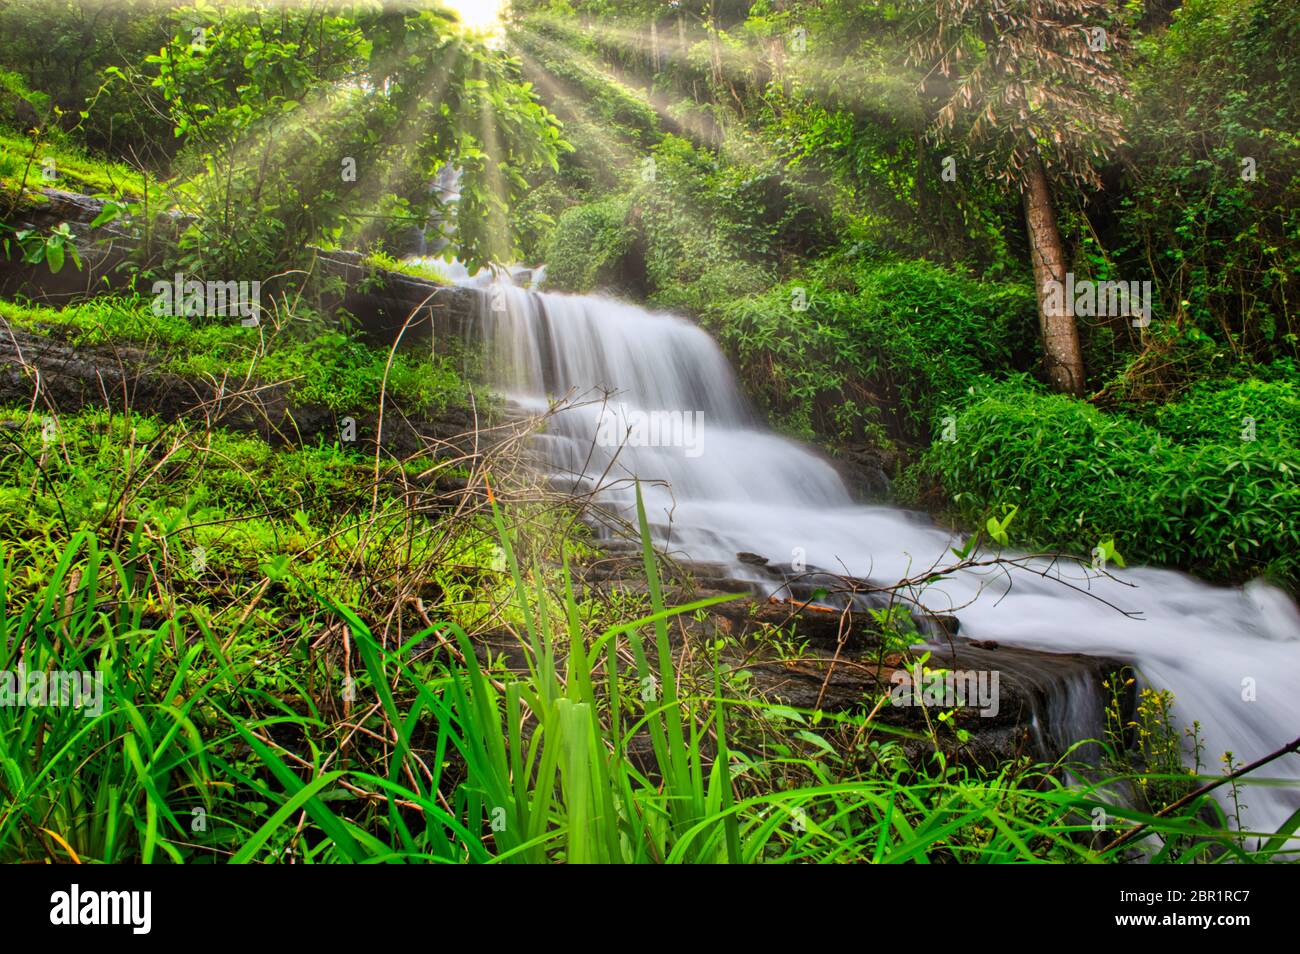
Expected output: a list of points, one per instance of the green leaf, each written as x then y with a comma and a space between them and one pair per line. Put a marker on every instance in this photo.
54, 254
110, 212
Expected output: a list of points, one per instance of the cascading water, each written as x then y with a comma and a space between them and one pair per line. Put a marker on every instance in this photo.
717, 483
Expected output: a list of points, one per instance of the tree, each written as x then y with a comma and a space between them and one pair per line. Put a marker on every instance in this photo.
300, 122
1025, 92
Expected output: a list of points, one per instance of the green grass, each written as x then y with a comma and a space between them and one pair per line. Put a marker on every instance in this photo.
382, 260
217, 742
328, 368
76, 171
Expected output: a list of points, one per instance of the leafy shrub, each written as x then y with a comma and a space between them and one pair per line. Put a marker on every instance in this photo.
587, 245
1214, 90
1213, 413
716, 228
1189, 493
907, 335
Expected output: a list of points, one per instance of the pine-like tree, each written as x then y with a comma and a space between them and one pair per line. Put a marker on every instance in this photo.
1024, 92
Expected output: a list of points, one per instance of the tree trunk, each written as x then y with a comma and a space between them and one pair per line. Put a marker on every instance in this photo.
776, 56
715, 48
1061, 351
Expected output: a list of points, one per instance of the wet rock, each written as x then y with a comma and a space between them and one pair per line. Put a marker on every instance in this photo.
1012, 702
66, 377
825, 625
941, 626
102, 251
868, 469
386, 303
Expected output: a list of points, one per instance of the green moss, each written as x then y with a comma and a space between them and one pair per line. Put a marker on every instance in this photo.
330, 369
111, 319
429, 272
75, 170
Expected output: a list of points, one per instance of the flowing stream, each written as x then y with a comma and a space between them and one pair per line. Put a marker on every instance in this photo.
652, 396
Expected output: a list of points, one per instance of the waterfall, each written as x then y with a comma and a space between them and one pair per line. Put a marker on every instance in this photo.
717, 482
445, 190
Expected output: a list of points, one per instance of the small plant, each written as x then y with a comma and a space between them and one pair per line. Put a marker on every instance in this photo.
897, 628
379, 259
52, 248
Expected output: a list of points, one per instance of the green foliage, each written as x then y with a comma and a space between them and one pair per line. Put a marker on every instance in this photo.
62, 47
304, 124
121, 783
587, 245
330, 368
210, 742
907, 335
714, 227
209, 510
15, 93
1022, 84
293, 684
1215, 93
51, 248
608, 124
22, 159
1213, 412
1189, 492
382, 260
691, 230
610, 110
997, 529
336, 371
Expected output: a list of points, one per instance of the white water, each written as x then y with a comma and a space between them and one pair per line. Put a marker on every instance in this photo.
749, 490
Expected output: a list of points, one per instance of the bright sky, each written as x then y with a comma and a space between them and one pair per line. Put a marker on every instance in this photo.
476, 14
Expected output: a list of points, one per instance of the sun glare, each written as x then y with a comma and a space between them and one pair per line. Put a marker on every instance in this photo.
478, 15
